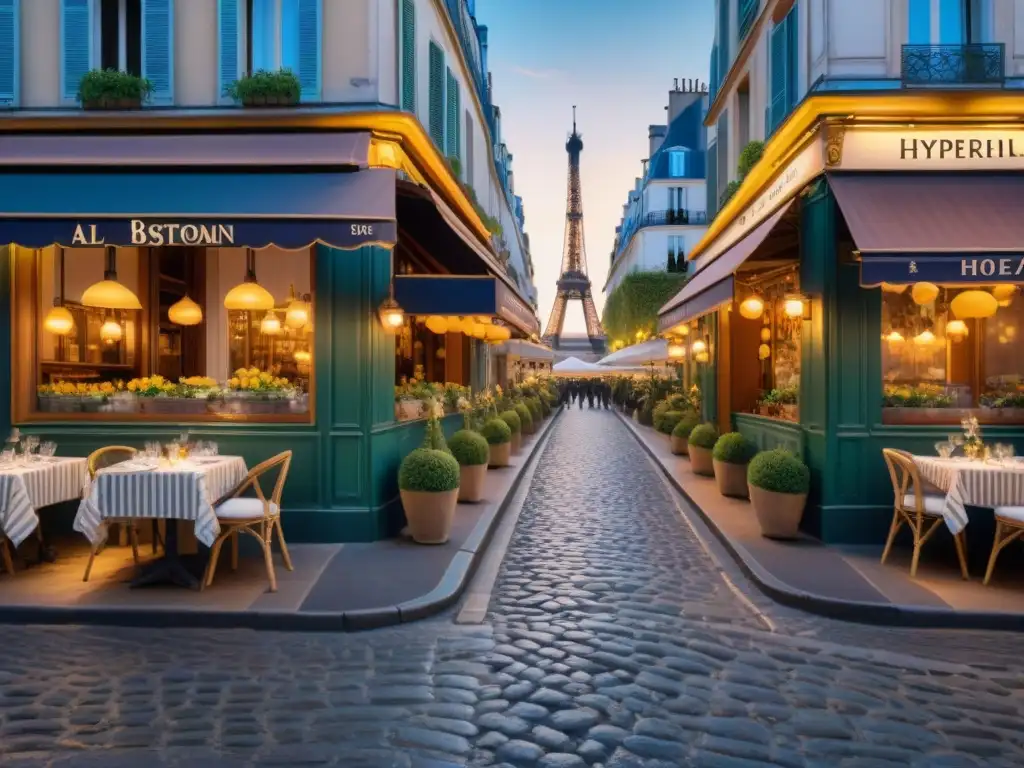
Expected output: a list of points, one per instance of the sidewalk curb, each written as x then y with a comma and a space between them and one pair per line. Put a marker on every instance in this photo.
881, 614
451, 586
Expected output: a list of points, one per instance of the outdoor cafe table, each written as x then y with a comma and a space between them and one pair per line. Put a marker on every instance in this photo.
156, 489
987, 484
26, 487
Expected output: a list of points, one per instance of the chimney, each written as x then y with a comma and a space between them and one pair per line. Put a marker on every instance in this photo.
675, 83
481, 36
680, 100
655, 136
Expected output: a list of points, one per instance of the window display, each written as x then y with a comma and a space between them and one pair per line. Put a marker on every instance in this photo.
169, 333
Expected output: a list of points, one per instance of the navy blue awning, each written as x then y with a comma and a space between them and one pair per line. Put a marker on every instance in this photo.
254, 210
947, 268
464, 295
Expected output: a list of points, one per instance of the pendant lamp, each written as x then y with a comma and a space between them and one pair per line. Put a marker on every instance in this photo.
271, 324
974, 304
676, 350
108, 293
752, 307
297, 314
924, 293
249, 294
185, 312
110, 331
59, 320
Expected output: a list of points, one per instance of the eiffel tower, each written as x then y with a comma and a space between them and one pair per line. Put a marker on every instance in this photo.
574, 283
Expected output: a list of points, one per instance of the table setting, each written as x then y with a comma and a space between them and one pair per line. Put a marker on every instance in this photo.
983, 476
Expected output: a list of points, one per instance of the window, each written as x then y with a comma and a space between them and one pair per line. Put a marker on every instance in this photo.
773, 338
676, 254
408, 55
949, 22
271, 35
120, 35
677, 200
437, 114
206, 362
677, 162
932, 360
784, 48
10, 53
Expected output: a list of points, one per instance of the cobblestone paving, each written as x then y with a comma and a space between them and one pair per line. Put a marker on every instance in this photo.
612, 641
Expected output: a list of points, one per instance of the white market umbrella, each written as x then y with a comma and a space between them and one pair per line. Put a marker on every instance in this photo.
651, 352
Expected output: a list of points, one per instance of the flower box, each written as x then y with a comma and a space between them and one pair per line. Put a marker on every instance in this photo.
60, 403
253, 404
173, 405
408, 410
112, 103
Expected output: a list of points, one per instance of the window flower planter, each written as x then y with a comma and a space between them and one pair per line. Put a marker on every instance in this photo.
266, 89
174, 405
109, 89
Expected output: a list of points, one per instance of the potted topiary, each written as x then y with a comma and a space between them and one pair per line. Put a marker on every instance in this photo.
668, 420
266, 89
512, 419
428, 483
681, 433
499, 440
730, 457
536, 410
111, 89
702, 441
778, 484
525, 418
470, 449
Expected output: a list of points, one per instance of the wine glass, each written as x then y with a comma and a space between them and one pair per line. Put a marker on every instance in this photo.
944, 449
48, 450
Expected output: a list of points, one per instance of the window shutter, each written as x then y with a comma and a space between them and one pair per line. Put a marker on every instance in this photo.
920, 22
778, 73
409, 56
724, 38
792, 60
75, 45
10, 53
158, 48
437, 112
452, 130
711, 186
227, 36
310, 49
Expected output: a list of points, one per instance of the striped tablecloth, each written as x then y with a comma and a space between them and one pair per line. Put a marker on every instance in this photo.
184, 491
24, 488
973, 483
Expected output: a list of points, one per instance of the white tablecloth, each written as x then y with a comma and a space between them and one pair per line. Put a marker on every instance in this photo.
973, 483
184, 491
24, 488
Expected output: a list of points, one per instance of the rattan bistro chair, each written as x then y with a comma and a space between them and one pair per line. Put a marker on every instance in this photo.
1009, 528
5, 555
914, 505
259, 517
101, 459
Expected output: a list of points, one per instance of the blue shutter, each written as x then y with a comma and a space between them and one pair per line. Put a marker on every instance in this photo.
778, 72
713, 85
158, 48
711, 184
409, 56
456, 126
227, 36
724, 62
451, 116
309, 49
920, 22
10, 53
792, 59
75, 45
952, 27
436, 101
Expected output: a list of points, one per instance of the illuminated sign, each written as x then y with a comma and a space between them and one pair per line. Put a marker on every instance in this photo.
908, 149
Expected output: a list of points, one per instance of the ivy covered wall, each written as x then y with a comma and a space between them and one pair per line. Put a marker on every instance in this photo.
633, 306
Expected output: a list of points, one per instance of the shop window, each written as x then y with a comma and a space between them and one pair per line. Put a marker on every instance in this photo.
769, 325
120, 35
181, 354
938, 367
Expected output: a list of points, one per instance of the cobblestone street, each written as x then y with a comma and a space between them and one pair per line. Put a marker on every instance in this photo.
613, 639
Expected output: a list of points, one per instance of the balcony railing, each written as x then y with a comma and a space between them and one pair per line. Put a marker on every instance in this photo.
458, 12
748, 13
945, 65
657, 219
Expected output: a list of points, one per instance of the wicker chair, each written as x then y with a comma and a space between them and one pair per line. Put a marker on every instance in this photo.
101, 459
916, 506
259, 517
1009, 528
5, 555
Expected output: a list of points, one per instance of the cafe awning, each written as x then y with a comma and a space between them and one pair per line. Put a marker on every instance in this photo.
464, 295
253, 209
525, 349
940, 228
713, 286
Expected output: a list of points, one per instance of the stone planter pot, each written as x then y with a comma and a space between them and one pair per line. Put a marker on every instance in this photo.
779, 514
500, 455
471, 483
111, 103
429, 515
173, 405
60, 404
517, 442
731, 479
701, 461
252, 406
680, 446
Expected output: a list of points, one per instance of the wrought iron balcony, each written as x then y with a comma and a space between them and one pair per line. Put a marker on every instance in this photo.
945, 65
682, 217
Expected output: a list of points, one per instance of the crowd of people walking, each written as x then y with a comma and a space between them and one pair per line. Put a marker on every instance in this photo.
597, 393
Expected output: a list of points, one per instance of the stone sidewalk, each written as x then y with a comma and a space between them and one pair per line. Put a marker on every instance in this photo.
846, 581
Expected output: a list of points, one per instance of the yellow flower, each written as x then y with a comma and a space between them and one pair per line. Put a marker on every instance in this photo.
133, 385
244, 382
241, 372
254, 372
266, 377
234, 382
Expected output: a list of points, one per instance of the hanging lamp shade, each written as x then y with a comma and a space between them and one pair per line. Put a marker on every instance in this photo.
894, 337
793, 306
892, 288
676, 350
479, 331
698, 347
249, 295
752, 307
924, 293
108, 293
502, 333
974, 304
297, 314
924, 338
766, 333
271, 324
111, 331
683, 330
764, 352
1004, 294
437, 324
185, 312
956, 328
302, 356
492, 332
59, 321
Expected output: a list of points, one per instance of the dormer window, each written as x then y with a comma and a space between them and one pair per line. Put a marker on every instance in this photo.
677, 162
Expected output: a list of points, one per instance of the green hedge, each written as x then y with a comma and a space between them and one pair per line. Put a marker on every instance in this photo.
634, 304
668, 421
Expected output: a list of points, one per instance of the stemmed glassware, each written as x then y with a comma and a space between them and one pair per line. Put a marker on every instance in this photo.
48, 450
29, 445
